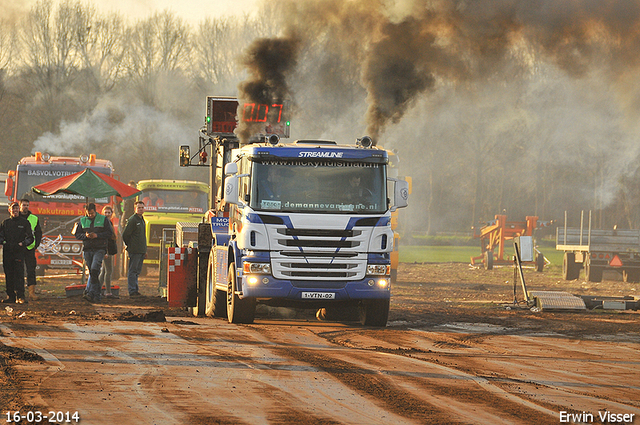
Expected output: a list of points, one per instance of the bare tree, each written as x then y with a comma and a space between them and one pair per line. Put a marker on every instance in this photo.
158, 46
217, 44
7, 44
47, 41
211, 47
100, 45
9, 110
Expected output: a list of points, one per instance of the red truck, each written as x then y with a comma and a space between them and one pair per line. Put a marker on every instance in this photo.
57, 213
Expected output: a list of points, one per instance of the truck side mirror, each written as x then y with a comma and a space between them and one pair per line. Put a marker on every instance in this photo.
231, 168
400, 194
8, 187
232, 190
185, 156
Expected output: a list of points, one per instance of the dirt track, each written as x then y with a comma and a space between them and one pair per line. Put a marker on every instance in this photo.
456, 351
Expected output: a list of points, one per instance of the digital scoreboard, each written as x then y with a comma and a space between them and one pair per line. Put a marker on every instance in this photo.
223, 113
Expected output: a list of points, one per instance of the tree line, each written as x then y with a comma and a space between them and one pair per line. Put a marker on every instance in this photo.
62, 63
531, 140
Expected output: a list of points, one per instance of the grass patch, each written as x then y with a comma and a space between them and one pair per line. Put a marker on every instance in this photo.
462, 254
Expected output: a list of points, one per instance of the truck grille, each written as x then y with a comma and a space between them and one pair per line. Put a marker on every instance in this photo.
318, 243
306, 255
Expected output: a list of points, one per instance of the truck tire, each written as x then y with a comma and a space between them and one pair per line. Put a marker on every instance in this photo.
40, 270
374, 312
631, 275
216, 300
488, 260
592, 273
238, 310
570, 269
540, 262
201, 299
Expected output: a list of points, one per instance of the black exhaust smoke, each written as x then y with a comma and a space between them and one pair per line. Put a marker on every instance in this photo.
268, 63
406, 48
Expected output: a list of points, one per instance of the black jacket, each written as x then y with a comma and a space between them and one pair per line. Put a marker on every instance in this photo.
14, 230
104, 232
134, 235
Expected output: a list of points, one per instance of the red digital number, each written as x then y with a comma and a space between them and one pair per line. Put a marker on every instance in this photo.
252, 112
279, 106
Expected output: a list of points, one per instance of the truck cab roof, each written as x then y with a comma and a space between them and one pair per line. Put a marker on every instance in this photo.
314, 150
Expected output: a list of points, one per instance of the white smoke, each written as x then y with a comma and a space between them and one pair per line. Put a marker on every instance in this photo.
118, 125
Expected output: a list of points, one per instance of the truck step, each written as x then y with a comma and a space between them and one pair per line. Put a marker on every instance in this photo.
557, 300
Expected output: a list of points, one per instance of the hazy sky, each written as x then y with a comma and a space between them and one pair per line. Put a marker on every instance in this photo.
193, 11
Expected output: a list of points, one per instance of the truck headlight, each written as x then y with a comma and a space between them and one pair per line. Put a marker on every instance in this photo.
378, 269
257, 268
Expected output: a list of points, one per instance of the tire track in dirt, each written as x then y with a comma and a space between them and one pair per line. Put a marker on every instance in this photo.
417, 396
291, 391
536, 369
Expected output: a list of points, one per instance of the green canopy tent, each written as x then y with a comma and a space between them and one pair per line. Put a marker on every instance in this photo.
87, 183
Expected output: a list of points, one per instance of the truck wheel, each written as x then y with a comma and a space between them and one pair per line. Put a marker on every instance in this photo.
593, 273
540, 262
374, 312
216, 300
40, 269
570, 269
488, 260
201, 302
631, 275
238, 310
201, 299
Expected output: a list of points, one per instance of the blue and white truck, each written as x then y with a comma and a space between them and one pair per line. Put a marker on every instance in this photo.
304, 224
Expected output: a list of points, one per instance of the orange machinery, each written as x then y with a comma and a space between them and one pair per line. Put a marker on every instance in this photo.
495, 233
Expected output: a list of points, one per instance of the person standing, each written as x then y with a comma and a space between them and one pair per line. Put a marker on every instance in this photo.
128, 210
135, 238
107, 262
16, 236
30, 257
94, 230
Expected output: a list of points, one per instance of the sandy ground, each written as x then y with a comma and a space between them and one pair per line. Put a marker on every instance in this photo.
457, 349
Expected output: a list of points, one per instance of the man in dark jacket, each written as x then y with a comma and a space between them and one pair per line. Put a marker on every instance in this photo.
134, 236
15, 235
94, 230
30, 258
129, 205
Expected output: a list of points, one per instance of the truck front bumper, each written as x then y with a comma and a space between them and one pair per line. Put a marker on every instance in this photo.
266, 286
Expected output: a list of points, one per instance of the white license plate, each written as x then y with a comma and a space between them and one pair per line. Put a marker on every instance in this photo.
318, 295
61, 262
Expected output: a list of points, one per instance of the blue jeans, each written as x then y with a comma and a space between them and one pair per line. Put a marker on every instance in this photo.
135, 268
93, 260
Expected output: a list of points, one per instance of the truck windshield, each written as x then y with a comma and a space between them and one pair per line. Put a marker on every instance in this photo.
29, 176
174, 201
319, 187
